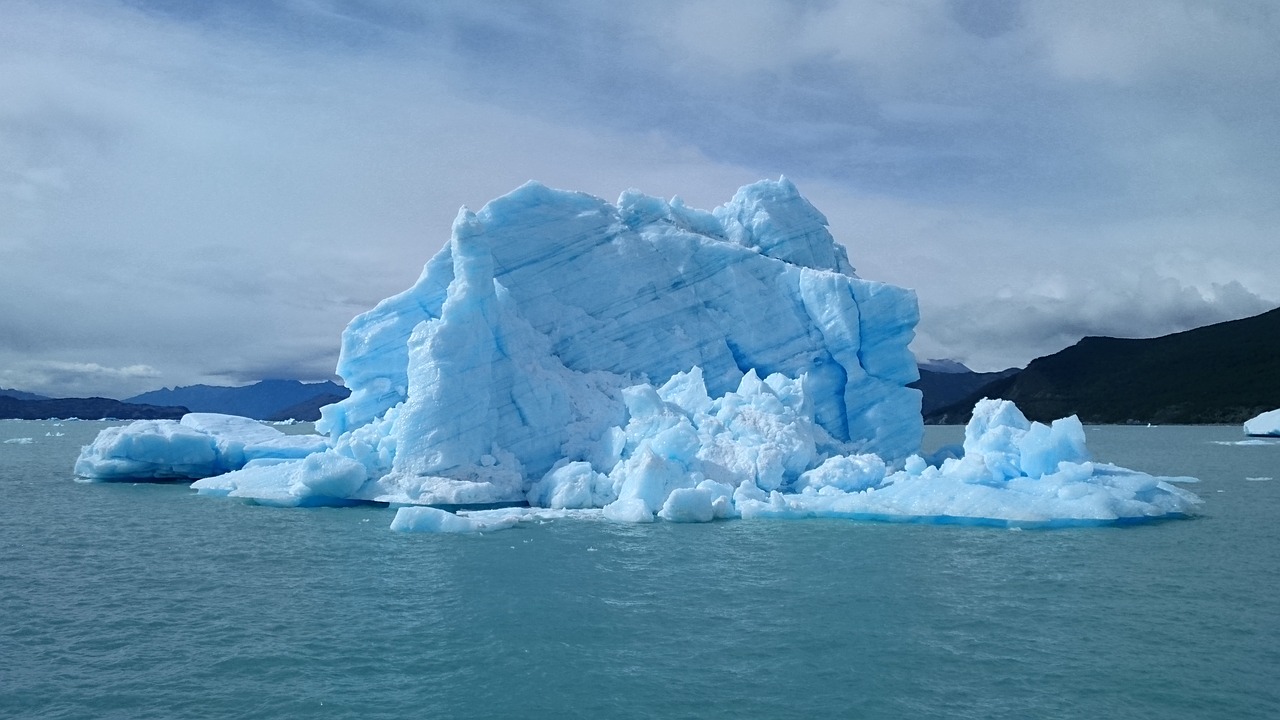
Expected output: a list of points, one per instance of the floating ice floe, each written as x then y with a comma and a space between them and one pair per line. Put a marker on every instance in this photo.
1265, 425
638, 362
198, 446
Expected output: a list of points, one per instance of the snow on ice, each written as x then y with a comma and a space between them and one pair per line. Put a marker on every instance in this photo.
634, 362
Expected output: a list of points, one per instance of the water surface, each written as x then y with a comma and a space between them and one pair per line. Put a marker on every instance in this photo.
147, 601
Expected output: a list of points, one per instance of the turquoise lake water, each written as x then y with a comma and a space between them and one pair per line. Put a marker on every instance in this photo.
147, 601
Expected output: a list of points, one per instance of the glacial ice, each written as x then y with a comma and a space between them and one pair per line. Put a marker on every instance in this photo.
636, 362
198, 446
1265, 425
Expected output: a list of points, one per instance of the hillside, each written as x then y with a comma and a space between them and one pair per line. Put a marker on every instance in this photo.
20, 395
262, 401
1223, 373
941, 388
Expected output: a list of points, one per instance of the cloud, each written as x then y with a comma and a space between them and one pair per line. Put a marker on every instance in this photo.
997, 289
215, 189
57, 378
1143, 40
230, 222
1053, 313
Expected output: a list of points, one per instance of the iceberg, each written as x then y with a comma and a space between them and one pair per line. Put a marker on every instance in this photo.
563, 356
529, 339
1265, 425
1014, 473
199, 445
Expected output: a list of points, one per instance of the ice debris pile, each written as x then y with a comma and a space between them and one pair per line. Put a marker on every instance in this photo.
652, 360
1265, 425
1012, 473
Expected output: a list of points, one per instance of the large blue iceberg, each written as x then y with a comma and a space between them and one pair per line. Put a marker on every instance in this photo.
649, 360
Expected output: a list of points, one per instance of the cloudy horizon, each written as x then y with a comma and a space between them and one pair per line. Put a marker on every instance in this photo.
209, 192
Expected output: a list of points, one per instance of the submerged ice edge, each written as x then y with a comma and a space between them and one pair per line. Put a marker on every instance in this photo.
652, 361
426, 519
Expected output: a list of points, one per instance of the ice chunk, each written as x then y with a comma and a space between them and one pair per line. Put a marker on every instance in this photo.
319, 479
572, 485
429, 519
629, 510
1013, 472
849, 473
435, 520
1265, 425
200, 445
706, 502
157, 449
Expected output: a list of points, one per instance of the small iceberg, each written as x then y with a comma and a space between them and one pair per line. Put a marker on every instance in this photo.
1265, 425
199, 445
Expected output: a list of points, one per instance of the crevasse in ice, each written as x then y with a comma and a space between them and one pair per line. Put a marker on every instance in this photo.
649, 360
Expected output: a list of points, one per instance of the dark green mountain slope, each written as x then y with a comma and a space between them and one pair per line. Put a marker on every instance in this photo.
1223, 373
940, 389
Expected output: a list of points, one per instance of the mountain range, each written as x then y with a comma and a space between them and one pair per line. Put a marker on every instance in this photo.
952, 383
266, 400
1222, 373
95, 408
19, 395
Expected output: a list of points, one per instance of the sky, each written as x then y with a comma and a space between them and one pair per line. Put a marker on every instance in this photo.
207, 192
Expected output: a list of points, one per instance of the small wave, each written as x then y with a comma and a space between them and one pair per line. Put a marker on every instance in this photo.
19, 441
1258, 479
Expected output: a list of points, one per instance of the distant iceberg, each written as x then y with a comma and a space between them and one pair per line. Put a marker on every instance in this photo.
646, 361
1265, 425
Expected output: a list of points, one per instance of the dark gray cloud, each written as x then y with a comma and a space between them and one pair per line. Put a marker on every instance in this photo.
1033, 324
209, 191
